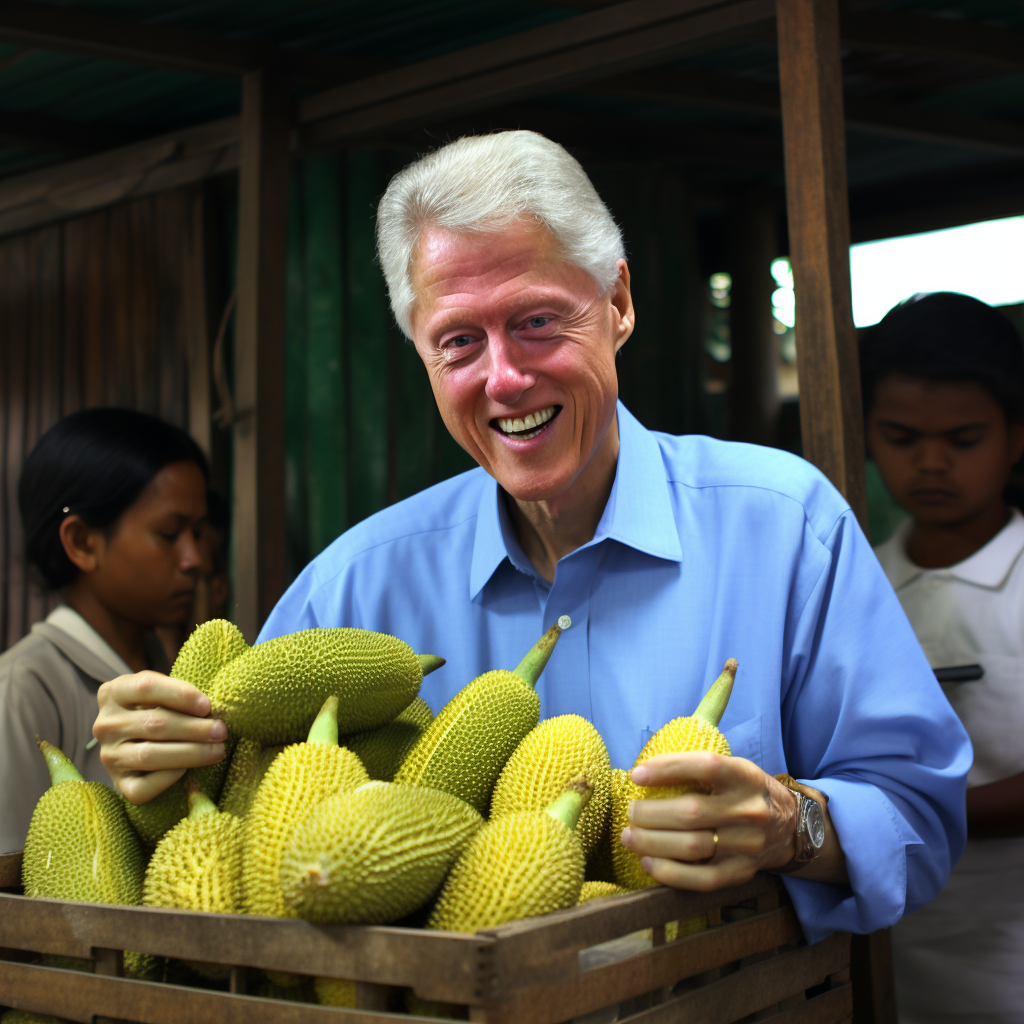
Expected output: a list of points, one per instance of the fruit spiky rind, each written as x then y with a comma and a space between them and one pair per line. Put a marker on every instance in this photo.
374, 855
556, 750
300, 777
81, 847
516, 866
272, 692
211, 646
465, 748
198, 865
382, 750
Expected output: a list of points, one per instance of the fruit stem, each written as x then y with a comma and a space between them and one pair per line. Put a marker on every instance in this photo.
60, 767
530, 668
568, 807
713, 706
429, 662
325, 726
198, 802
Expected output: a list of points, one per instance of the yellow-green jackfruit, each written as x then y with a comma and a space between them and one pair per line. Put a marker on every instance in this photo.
558, 749
516, 866
198, 866
211, 646
273, 691
598, 890
382, 750
79, 844
301, 776
374, 855
465, 748
698, 731
335, 992
249, 763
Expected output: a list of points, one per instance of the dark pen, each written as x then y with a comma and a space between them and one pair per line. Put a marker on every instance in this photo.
959, 674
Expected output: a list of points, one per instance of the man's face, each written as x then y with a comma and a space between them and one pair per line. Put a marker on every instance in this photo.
520, 350
943, 448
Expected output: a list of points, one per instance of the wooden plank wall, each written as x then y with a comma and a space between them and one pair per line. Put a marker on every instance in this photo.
106, 309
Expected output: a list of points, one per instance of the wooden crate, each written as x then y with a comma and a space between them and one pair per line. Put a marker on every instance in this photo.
750, 964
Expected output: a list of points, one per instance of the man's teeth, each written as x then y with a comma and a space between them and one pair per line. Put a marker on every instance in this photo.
530, 422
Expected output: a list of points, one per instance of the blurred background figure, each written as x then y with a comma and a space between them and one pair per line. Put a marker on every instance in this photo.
943, 384
113, 504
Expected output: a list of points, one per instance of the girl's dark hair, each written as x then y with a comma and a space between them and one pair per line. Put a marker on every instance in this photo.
946, 336
95, 463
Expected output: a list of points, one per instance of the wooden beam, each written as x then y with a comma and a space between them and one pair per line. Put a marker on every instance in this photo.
727, 92
634, 34
259, 357
142, 168
945, 38
810, 74
72, 30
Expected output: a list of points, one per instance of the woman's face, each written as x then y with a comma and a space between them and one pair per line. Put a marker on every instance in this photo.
147, 564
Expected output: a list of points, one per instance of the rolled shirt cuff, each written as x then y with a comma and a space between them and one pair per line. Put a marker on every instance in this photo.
874, 838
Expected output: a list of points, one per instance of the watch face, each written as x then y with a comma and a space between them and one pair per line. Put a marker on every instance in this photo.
815, 824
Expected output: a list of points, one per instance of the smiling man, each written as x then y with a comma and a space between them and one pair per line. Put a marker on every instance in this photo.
667, 556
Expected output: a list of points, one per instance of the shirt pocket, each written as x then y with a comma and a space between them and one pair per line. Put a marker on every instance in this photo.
745, 739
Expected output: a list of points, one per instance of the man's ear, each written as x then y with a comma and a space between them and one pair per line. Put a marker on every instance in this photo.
622, 306
81, 543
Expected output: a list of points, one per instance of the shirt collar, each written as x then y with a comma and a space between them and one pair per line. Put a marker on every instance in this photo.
987, 567
638, 513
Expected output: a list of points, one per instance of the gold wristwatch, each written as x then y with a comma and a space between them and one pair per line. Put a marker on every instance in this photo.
810, 828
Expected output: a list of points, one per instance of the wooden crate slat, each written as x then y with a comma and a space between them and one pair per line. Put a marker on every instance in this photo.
443, 966
832, 1007
752, 988
578, 993
541, 948
10, 870
77, 996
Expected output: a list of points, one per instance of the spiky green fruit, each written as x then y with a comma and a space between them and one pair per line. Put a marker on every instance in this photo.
272, 693
79, 844
300, 777
382, 750
373, 855
464, 749
557, 750
516, 866
598, 890
696, 732
335, 992
211, 646
249, 763
198, 864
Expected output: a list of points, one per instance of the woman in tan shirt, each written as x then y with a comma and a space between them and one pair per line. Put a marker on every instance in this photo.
113, 503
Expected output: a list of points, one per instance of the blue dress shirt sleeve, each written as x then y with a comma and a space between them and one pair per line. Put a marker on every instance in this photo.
865, 722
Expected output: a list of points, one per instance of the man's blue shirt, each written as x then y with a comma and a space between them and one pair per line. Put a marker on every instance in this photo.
706, 550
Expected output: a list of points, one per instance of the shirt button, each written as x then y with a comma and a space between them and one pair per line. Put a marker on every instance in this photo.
564, 622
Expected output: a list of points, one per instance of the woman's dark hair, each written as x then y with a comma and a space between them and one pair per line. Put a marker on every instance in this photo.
946, 336
94, 464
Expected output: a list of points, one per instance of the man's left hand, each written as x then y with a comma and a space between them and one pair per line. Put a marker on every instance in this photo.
753, 816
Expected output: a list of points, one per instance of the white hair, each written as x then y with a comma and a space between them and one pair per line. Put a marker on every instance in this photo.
480, 184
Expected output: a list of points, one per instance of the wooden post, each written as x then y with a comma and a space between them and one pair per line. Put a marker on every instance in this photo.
753, 388
811, 83
810, 77
259, 498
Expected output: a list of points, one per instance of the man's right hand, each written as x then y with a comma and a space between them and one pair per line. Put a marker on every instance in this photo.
151, 728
